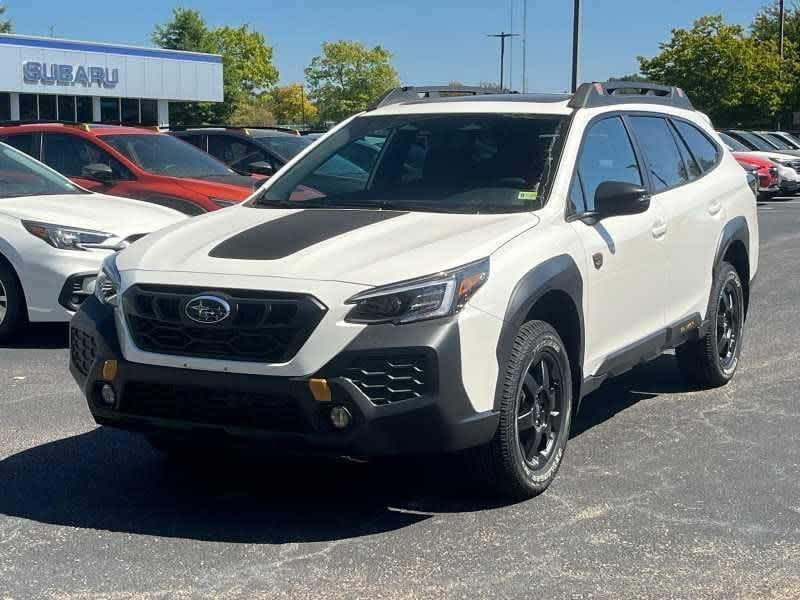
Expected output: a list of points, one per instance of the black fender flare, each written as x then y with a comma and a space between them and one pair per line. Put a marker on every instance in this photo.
735, 230
559, 273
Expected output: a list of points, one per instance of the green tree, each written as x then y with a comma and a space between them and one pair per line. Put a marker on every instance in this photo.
290, 105
766, 25
637, 77
733, 77
5, 24
246, 63
348, 76
254, 112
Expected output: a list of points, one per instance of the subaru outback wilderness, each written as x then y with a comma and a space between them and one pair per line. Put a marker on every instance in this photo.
502, 256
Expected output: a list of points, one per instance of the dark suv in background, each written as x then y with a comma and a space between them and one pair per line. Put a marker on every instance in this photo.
246, 150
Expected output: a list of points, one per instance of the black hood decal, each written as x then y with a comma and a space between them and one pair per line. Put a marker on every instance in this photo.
284, 236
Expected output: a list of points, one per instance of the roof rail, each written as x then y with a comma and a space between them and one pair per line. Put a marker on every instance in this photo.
597, 93
412, 93
235, 128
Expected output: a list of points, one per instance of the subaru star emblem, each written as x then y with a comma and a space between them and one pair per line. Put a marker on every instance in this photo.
207, 310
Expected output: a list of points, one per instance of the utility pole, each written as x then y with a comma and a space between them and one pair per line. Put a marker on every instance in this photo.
576, 46
511, 48
303, 104
502, 35
524, 46
782, 18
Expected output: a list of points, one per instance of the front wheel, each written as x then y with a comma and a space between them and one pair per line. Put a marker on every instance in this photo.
712, 361
535, 415
12, 303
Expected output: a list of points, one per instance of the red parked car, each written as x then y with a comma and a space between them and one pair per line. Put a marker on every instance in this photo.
133, 162
769, 182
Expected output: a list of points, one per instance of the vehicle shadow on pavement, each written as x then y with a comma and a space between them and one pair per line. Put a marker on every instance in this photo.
113, 480
44, 336
660, 376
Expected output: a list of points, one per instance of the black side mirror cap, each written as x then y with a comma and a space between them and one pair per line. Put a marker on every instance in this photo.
261, 167
616, 198
98, 171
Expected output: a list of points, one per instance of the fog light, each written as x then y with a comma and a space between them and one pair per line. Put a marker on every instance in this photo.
341, 417
108, 394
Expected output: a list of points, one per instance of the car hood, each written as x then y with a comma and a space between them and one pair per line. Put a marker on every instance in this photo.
99, 212
228, 187
368, 247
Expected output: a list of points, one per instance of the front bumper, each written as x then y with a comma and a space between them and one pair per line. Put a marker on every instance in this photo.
434, 416
789, 187
47, 277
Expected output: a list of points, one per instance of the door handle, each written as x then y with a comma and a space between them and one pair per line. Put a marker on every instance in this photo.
714, 208
659, 229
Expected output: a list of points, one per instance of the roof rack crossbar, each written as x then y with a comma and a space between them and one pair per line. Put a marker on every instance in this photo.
416, 93
597, 93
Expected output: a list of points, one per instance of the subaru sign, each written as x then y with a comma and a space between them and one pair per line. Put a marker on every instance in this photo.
53, 74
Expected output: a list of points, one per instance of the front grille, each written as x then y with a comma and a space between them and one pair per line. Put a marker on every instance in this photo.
82, 350
214, 407
388, 379
265, 327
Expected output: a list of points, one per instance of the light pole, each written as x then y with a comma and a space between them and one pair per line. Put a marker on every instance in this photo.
524, 46
576, 45
782, 18
502, 35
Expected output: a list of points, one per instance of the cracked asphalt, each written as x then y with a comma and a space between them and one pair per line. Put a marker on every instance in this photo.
664, 493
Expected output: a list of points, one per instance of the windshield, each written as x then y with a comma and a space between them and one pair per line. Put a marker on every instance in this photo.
440, 163
166, 155
285, 147
776, 141
756, 141
20, 175
732, 143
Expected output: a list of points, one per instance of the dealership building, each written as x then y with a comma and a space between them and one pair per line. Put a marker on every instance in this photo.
47, 79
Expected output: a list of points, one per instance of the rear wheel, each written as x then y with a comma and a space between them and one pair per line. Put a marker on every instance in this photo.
712, 361
12, 303
535, 415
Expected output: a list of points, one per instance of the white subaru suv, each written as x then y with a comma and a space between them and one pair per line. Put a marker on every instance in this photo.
439, 273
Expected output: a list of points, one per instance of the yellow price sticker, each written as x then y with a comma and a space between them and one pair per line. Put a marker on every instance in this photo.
528, 196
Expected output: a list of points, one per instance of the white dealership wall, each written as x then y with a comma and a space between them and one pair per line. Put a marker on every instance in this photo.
143, 73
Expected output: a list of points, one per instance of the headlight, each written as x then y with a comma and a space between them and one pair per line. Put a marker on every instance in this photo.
222, 202
66, 238
107, 284
419, 299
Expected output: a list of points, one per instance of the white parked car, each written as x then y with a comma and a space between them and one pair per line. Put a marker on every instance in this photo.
53, 237
499, 258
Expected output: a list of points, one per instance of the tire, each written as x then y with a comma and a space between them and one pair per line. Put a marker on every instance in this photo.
522, 462
13, 311
712, 360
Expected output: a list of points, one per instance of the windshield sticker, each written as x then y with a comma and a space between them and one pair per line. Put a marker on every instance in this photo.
528, 196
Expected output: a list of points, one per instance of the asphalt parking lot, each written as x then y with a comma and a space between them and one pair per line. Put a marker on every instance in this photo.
664, 493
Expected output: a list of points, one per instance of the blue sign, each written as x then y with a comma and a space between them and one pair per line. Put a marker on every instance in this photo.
51, 74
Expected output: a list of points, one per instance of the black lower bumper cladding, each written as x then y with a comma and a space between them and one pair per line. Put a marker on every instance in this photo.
411, 399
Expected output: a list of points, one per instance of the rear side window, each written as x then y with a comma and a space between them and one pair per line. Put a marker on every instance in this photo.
691, 164
607, 155
700, 146
661, 154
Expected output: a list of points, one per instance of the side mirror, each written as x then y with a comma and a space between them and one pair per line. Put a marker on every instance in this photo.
261, 167
98, 172
616, 198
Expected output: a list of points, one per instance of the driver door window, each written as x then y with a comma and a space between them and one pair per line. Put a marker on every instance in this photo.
69, 154
235, 152
607, 155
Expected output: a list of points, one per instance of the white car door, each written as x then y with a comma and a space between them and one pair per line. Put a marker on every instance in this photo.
626, 282
694, 208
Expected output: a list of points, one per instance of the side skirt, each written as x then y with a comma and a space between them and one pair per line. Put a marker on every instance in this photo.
645, 350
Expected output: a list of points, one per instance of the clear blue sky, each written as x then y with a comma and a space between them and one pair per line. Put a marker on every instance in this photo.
434, 41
